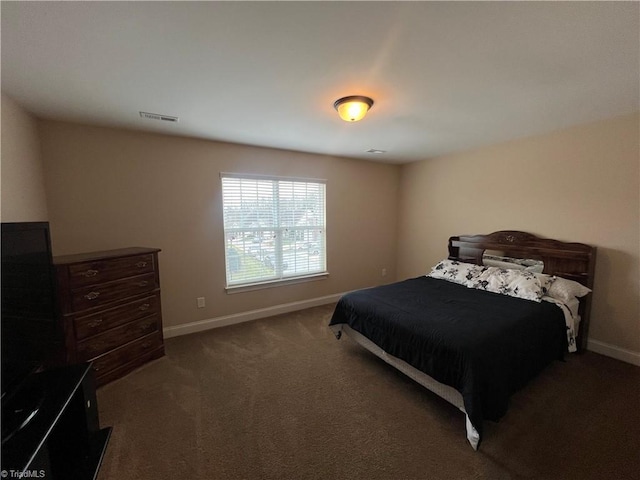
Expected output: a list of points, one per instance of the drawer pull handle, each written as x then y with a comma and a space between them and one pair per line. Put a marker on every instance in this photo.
95, 323
141, 264
92, 295
147, 344
90, 273
94, 347
142, 327
143, 307
144, 283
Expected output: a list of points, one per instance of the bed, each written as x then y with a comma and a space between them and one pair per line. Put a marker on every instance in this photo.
473, 331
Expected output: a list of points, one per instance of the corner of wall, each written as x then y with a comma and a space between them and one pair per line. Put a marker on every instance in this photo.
22, 190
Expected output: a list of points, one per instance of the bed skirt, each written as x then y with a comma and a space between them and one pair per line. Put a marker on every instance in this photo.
448, 393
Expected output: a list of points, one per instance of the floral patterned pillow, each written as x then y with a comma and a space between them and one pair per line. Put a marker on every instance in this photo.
527, 264
515, 283
546, 281
454, 271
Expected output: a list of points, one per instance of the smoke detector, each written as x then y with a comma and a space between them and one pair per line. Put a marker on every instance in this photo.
157, 116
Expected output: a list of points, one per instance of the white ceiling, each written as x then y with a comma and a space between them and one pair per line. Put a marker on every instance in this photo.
445, 76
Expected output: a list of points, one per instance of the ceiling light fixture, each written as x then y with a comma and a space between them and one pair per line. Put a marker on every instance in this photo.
353, 108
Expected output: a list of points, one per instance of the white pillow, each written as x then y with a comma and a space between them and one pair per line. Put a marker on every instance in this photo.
568, 292
515, 283
454, 271
564, 289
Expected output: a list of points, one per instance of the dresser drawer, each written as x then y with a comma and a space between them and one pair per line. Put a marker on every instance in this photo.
95, 295
127, 353
100, 271
128, 367
103, 342
89, 325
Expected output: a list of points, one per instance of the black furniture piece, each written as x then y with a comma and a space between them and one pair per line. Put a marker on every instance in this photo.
50, 423
62, 440
31, 340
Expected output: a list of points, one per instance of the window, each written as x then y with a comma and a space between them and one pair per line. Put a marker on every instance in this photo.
274, 228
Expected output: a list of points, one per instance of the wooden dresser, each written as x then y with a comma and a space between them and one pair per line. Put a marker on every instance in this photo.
109, 308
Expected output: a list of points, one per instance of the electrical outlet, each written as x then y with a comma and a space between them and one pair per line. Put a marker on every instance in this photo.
200, 302
384, 272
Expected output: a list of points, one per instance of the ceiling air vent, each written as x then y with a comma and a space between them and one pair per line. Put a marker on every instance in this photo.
157, 116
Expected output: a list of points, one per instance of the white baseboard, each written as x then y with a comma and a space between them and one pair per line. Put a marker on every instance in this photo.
596, 346
612, 351
202, 325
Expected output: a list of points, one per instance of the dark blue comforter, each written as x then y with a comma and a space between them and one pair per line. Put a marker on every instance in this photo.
483, 344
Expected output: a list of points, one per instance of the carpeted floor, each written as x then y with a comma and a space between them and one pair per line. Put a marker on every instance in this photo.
282, 398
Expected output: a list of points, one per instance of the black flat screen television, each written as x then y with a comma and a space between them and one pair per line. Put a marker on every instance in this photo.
28, 323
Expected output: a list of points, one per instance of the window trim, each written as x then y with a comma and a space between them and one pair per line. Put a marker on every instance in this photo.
281, 282
285, 280
283, 178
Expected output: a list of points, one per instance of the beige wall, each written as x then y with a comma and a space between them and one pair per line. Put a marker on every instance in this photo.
579, 184
21, 174
111, 188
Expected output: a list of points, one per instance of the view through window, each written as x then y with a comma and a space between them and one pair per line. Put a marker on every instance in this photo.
274, 228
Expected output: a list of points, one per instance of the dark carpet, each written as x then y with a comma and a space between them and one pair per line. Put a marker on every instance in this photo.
281, 398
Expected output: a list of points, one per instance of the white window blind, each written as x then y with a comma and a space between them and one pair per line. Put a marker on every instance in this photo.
274, 228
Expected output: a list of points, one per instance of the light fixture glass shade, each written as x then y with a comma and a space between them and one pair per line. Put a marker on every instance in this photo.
353, 108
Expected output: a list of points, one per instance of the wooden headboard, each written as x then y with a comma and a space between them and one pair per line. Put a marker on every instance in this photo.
574, 261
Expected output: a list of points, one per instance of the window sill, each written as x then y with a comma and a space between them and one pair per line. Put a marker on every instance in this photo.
275, 283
